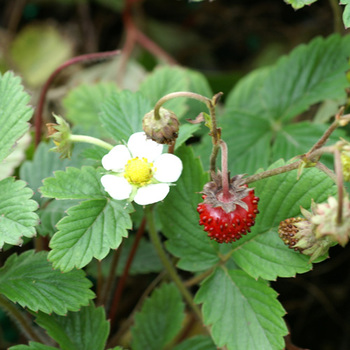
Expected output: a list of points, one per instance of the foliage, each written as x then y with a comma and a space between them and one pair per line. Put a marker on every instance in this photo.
60, 205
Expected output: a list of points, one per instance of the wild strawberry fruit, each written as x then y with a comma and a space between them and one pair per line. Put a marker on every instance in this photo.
227, 220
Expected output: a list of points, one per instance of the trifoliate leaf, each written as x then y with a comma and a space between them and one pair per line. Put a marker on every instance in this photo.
122, 114
246, 313
30, 281
179, 217
159, 320
32, 346
74, 183
298, 4
199, 342
254, 118
86, 329
163, 81
44, 49
89, 231
14, 112
262, 253
17, 217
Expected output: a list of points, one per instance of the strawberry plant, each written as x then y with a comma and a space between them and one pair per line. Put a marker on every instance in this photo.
159, 216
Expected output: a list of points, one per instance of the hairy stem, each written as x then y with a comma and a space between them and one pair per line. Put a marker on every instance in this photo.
92, 140
177, 94
226, 196
168, 265
291, 166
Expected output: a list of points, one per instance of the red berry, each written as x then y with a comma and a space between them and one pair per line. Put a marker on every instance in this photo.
226, 222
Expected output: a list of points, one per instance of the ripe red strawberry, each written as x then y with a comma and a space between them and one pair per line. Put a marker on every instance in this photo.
226, 221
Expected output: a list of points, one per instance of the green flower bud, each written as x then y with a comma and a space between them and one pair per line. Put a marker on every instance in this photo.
60, 134
164, 130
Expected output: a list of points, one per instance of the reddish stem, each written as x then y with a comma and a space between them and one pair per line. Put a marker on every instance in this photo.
226, 196
45, 88
121, 284
153, 48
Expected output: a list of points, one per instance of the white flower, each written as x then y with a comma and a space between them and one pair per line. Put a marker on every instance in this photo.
139, 171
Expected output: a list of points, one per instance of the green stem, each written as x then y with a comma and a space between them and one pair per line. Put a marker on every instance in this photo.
210, 103
167, 264
24, 323
92, 140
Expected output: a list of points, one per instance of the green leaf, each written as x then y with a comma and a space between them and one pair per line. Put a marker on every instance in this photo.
179, 217
346, 13
159, 320
246, 313
254, 118
43, 165
310, 74
14, 159
43, 48
87, 329
32, 346
74, 183
163, 81
17, 217
89, 231
14, 112
262, 253
298, 4
295, 139
83, 103
122, 114
53, 212
186, 131
199, 342
30, 281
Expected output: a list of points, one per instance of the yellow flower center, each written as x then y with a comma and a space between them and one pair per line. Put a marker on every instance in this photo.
138, 171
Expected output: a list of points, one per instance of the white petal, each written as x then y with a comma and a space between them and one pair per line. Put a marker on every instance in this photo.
151, 194
168, 168
116, 159
142, 147
116, 186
